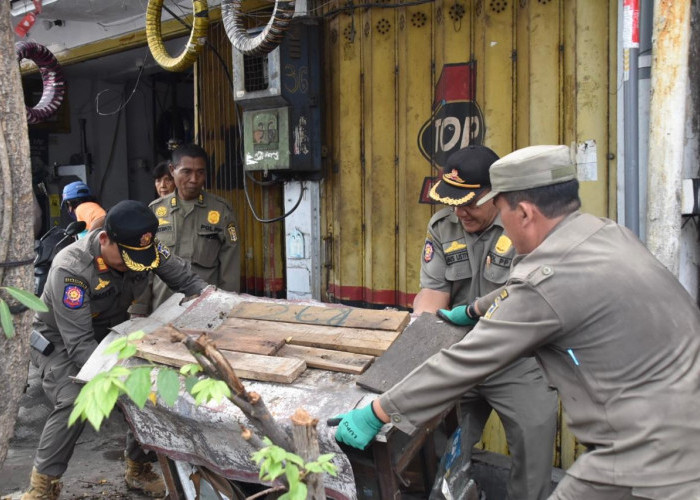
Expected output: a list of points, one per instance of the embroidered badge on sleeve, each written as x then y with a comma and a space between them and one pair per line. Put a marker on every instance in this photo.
428, 251
73, 296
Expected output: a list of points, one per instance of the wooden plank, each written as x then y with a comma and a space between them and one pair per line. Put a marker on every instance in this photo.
157, 347
348, 317
326, 359
234, 340
360, 341
420, 340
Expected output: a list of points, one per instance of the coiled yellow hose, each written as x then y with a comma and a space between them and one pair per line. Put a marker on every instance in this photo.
268, 39
198, 36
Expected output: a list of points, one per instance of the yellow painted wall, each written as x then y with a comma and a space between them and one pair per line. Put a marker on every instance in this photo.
545, 74
262, 263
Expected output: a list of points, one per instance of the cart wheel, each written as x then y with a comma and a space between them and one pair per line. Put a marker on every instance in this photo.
52, 79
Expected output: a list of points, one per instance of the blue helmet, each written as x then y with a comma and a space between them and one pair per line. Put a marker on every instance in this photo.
74, 190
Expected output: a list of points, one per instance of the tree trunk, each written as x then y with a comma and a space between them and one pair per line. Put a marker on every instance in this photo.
16, 193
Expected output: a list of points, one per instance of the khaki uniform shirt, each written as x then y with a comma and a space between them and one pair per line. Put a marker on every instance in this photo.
207, 236
614, 331
464, 264
85, 297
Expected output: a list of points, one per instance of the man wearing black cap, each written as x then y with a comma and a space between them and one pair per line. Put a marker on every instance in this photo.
88, 290
465, 256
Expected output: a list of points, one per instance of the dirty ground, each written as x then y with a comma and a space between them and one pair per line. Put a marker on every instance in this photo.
96, 469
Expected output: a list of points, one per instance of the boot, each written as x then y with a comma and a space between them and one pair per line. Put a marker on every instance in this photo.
42, 487
141, 476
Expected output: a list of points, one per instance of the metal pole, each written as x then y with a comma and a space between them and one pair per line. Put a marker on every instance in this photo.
671, 35
631, 111
644, 86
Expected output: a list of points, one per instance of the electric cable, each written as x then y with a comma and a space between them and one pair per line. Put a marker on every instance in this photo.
279, 217
197, 39
268, 39
52, 79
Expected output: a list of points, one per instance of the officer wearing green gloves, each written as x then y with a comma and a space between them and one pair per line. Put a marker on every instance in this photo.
358, 427
466, 255
627, 373
460, 315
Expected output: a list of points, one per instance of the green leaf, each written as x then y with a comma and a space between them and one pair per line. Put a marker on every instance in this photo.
295, 459
108, 400
292, 473
117, 345
313, 467
27, 299
128, 351
209, 389
277, 453
258, 456
190, 369
6, 320
326, 457
137, 335
300, 492
190, 382
329, 468
168, 385
138, 385
94, 414
275, 471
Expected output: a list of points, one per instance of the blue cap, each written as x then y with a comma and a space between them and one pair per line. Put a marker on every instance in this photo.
77, 189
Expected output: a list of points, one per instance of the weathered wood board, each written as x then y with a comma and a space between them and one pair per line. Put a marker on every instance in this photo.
420, 340
347, 317
326, 359
157, 347
357, 340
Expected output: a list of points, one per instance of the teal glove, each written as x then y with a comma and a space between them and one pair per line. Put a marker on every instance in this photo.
457, 316
358, 427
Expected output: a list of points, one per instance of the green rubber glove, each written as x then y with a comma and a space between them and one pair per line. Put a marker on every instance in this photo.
457, 316
358, 427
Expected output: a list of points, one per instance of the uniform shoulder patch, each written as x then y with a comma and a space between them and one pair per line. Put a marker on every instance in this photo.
163, 250
496, 303
232, 234
73, 296
428, 251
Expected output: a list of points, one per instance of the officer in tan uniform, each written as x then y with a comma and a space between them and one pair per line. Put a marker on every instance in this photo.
88, 290
613, 329
466, 255
197, 226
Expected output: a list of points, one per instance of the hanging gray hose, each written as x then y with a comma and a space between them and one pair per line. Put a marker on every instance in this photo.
268, 39
51, 77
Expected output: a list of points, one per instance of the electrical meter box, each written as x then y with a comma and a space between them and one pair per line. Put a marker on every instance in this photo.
280, 96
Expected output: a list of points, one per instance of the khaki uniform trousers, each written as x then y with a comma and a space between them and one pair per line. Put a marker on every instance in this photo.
571, 488
526, 405
57, 439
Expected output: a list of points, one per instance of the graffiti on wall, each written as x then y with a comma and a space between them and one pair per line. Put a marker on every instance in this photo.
456, 120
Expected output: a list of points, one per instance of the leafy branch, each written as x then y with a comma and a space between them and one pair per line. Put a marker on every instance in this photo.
25, 298
98, 397
275, 461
